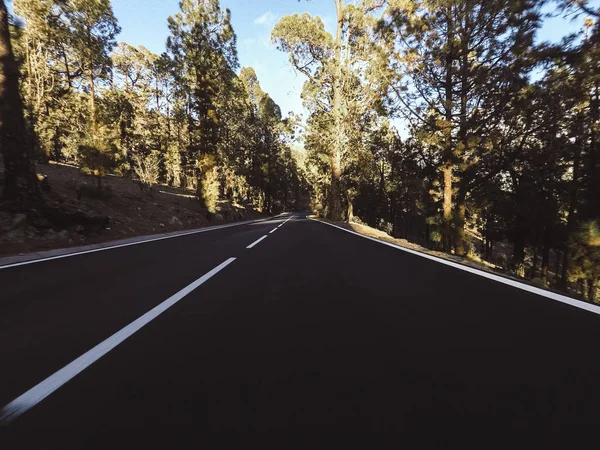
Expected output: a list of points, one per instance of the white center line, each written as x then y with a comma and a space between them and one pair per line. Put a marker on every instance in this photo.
283, 223
257, 241
273, 230
39, 392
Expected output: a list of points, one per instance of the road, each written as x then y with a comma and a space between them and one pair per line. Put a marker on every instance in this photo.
311, 338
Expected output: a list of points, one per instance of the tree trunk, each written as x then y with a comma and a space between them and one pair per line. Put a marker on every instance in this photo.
33, 105
489, 244
534, 263
92, 104
335, 193
350, 208
447, 226
460, 243
518, 260
592, 210
459, 231
448, 142
570, 217
557, 267
92, 87
546, 256
335, 210
584, 288
21, 186
593, 290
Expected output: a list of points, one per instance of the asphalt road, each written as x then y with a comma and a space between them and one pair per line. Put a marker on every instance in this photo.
311, 338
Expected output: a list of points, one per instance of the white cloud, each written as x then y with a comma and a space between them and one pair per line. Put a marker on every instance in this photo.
267, 19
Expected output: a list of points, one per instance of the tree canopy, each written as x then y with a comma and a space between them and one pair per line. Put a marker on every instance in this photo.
444, 122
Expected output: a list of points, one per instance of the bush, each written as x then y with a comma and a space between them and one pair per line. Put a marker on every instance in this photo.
208, 182
97, 156
146, 168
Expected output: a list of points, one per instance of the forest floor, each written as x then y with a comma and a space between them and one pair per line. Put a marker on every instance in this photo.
126, 211
474, 261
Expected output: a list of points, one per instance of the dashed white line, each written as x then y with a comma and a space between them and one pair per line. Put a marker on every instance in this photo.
257, 241
42, 390
284, 222
273, 230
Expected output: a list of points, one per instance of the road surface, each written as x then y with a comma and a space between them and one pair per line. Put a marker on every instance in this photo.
311, 337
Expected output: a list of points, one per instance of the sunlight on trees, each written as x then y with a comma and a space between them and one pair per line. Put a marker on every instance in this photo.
497, 164
499, 158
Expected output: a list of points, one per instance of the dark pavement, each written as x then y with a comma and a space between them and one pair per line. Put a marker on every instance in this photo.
314, 338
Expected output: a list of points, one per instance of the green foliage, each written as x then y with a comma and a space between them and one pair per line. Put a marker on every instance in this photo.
345, 87
65, 50
585, 252
98, 156
486, 149
183, 118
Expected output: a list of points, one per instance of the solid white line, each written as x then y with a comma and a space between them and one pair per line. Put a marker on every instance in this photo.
257, 241
273, 230
39, 392
525, 287
185, 233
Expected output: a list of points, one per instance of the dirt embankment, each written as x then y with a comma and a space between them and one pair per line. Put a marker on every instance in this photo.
122, 210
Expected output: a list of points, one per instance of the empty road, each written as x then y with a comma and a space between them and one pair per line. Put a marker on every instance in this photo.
287, 331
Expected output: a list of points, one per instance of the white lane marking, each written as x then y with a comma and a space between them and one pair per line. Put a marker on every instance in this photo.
273, 230
186, 233
284, 222
42, 390
525, 287
257, 241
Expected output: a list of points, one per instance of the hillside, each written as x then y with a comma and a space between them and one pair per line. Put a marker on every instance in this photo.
125, 212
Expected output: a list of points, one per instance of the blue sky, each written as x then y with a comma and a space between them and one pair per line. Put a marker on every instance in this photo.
144, 22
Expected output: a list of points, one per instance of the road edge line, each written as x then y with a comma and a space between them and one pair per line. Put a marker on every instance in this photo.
525, 287
128, 244
62, 376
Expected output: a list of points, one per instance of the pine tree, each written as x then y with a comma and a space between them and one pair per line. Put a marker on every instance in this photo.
202, 45
21, 186
344, 80
464, 61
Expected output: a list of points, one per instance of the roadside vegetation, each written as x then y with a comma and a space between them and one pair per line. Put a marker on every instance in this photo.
188, 119
500, 159
445, 123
